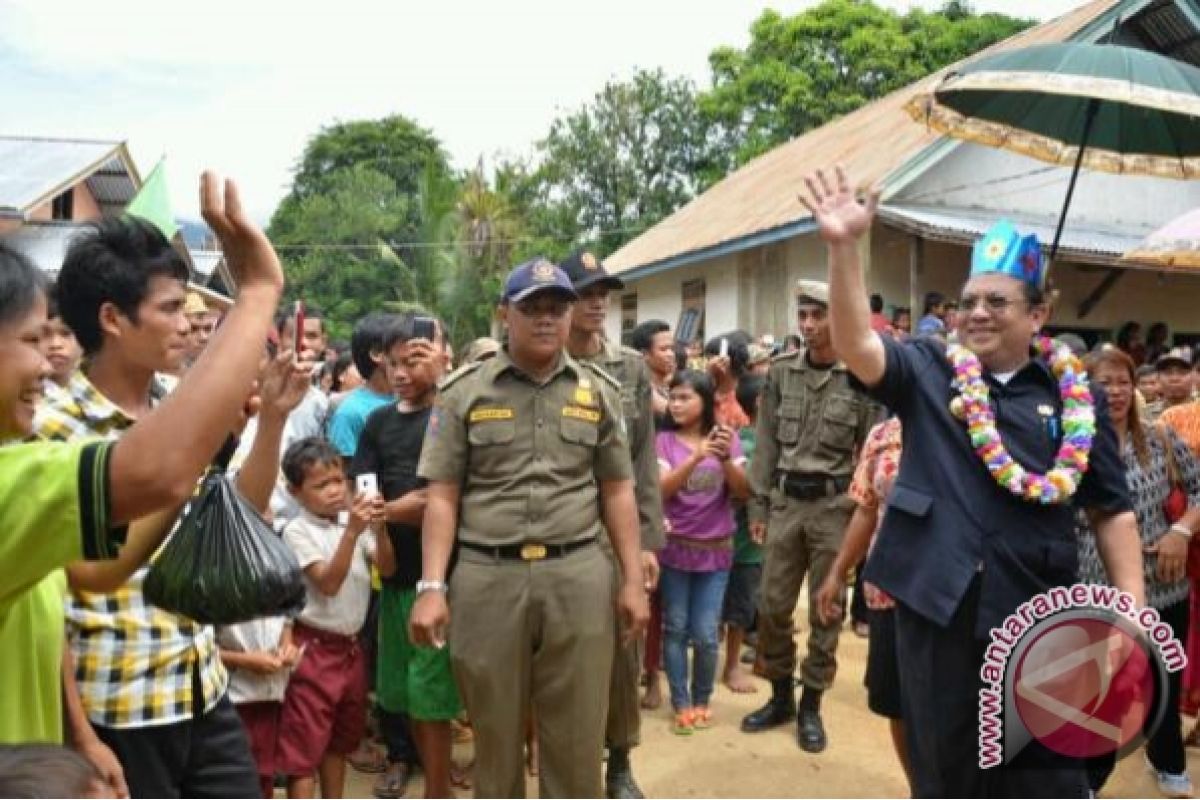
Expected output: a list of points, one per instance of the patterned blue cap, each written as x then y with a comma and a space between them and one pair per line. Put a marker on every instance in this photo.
1002, 249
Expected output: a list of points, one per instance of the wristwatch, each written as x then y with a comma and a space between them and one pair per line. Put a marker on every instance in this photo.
1181, 530
432, 586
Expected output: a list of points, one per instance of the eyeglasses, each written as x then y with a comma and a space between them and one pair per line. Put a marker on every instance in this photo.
992, 303
557, 309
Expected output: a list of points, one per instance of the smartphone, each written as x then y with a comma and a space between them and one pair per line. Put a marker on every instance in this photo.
424, 328
724, 351
367, 483
298, 329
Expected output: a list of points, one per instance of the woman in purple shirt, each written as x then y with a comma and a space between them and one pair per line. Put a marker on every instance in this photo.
702, 472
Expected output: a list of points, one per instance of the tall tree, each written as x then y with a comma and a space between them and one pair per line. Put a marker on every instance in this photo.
628, 158
487, 232
365, 194
802, 71
335, 249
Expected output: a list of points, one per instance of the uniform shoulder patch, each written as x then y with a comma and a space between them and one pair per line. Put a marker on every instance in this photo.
629, 352
459, 374
792, 356
604, 375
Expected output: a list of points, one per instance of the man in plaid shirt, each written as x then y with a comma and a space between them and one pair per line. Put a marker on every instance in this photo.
151, 682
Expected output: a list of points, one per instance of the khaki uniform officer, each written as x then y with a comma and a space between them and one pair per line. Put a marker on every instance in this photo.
527, 463
587, 344
811, 423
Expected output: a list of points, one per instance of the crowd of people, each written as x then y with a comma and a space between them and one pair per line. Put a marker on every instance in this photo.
507, 549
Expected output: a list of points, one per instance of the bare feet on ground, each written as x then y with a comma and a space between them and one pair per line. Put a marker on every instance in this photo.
736, 680
652, 699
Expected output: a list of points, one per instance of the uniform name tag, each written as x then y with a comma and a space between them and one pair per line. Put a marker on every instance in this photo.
587, 414
490, 414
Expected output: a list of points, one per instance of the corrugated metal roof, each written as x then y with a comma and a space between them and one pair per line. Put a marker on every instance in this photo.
1169, 29
112, 185
44, 243
1082, 241
33, 170
873, 142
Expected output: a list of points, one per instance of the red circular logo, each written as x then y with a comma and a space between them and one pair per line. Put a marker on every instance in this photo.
1084, 687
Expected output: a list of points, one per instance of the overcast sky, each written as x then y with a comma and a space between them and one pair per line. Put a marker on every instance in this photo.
241, 85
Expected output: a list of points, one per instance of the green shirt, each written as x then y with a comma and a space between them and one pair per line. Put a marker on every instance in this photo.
528, 456
745, 551
47, 491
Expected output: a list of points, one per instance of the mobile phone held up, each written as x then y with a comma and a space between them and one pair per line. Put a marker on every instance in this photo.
367, 483
424, 328
724, 351
298, 328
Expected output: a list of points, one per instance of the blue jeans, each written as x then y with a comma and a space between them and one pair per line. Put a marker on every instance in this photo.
691, 609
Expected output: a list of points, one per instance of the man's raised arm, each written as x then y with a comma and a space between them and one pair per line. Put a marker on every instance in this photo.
842, 220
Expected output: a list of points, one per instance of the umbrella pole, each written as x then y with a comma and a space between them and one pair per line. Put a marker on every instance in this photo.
1092, 108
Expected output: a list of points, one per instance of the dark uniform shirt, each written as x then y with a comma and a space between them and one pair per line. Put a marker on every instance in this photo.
811, 420
528, 456
629, 369
947, 521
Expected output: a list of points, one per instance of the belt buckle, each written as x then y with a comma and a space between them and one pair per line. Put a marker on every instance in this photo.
533, 552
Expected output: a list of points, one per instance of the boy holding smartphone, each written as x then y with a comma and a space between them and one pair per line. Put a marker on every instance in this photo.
325, 708
410, 680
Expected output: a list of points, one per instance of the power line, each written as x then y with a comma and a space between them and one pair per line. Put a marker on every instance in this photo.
560, 238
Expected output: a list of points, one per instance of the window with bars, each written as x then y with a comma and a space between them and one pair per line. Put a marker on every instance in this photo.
628, 316
691, 317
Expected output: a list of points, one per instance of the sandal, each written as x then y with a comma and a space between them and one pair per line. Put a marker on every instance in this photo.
702, 718
368, 758
393, 782
684, 724
460, 775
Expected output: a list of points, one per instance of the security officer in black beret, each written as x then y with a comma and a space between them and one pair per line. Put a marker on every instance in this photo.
587, 344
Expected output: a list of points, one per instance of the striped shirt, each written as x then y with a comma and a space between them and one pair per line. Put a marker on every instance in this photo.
134, 662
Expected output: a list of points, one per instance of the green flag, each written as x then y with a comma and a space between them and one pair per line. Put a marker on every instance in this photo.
153, 204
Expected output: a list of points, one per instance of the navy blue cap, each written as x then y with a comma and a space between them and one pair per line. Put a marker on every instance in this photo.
585, 270
535, 276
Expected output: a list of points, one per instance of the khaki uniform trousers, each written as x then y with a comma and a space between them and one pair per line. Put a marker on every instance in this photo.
624, 712
533, 634
803, 537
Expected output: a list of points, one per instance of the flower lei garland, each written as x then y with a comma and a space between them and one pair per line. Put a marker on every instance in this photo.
1079, 424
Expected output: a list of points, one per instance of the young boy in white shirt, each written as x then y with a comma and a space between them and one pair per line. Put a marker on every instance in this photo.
325, 707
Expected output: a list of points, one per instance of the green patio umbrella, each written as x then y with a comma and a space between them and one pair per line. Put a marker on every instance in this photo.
1105, 107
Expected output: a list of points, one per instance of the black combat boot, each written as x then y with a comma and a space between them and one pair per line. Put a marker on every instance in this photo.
779, 709
810, 732
618, 781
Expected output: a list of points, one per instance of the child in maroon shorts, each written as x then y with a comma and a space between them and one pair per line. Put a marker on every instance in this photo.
325, 709
259, 655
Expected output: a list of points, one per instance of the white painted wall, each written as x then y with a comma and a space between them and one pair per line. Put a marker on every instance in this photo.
660, 296
973, 176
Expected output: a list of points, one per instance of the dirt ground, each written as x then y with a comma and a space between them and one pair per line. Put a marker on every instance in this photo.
724, 762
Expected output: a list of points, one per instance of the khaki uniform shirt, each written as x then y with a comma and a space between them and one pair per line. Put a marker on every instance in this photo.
528, 457
809, 420
629, 369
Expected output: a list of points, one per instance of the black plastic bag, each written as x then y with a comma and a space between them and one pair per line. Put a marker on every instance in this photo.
224, 564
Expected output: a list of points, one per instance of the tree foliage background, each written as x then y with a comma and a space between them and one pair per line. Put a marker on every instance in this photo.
378, 219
